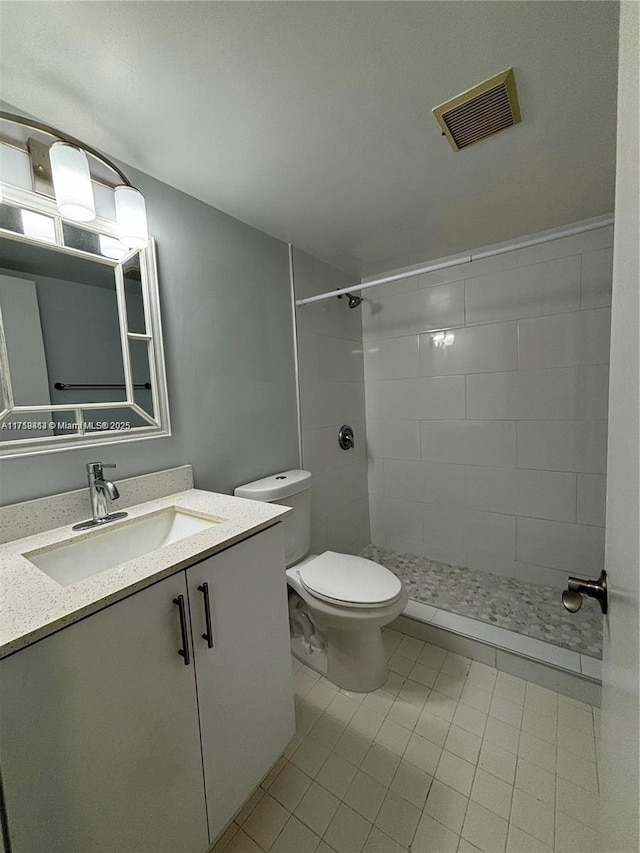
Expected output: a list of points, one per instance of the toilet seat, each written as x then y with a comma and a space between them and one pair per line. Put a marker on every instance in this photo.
349, 581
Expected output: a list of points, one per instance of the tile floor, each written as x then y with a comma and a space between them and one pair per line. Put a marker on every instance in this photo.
451, 755
535, 611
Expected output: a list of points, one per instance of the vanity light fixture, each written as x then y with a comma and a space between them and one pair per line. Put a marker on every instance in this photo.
131, 216
71, 180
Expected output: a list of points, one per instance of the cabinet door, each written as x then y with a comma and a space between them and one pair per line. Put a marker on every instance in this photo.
245, 691
99, 736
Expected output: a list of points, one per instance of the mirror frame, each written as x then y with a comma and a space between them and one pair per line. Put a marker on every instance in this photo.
158, 425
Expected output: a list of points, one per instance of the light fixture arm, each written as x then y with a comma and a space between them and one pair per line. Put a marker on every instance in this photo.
64, 137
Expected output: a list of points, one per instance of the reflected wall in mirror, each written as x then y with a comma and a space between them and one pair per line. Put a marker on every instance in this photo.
80, 340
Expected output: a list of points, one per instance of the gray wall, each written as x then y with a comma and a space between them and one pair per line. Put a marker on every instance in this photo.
226, 312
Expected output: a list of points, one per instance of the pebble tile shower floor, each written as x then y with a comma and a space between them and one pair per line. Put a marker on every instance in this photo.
535, 611
453, 757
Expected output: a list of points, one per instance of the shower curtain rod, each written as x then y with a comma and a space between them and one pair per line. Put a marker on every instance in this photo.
465, 259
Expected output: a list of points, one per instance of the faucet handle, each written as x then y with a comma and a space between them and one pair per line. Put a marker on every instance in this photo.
96, 467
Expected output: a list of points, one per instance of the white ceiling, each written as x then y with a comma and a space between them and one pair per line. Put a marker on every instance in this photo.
312, 120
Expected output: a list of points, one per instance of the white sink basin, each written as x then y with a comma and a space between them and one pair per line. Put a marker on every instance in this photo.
107, 547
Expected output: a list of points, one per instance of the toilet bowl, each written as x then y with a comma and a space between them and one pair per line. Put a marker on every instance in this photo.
341, 601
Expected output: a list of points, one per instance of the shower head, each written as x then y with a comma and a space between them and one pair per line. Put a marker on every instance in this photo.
354, 301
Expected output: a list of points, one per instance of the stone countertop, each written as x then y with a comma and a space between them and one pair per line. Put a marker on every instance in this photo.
33, 605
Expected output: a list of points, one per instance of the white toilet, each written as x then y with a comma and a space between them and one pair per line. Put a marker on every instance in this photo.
337, 603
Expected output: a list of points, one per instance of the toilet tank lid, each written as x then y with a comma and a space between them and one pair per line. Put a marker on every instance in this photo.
276, 486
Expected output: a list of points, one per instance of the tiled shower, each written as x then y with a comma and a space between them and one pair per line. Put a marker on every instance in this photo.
485, 388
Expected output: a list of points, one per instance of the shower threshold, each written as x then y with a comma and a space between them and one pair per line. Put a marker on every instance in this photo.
503, 612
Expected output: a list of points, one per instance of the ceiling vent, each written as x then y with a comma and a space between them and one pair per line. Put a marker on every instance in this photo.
479, 112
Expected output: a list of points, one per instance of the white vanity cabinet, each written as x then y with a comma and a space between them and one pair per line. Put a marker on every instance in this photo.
99, 739
244, 671
109, 743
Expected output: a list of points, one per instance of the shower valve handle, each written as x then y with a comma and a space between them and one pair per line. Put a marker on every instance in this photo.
576, 588
345, 437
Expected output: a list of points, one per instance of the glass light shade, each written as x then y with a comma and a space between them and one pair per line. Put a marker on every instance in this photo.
37, 226
112, 248
72, 182
131, 217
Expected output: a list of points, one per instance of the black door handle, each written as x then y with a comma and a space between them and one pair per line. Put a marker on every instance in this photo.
208, 636
184, 651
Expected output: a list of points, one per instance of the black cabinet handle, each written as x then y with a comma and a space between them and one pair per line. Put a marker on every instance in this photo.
184, 651
204, 589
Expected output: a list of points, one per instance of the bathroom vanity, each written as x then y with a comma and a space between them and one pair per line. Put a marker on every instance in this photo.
141, 705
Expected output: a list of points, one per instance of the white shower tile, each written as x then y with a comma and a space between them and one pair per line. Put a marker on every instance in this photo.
429, 308
394, 288
597, 276
569, 547
563, 445
564, 340
443, 530
313, 449
329, 357
376, 521
532, 291
539, 494
419, 610
403, 545
477, 349
321, 403
490, 532
527, 395
351, 399
435, 277
553, 678
460, 529
497, 263
469, 442
375, 476
591, 667
397, 439
510, 640
573, 245
527, 572
400, 518
391, 358
425, 481
424, 398
592, 498
594, 392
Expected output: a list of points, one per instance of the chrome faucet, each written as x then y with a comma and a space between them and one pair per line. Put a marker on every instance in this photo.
100, 492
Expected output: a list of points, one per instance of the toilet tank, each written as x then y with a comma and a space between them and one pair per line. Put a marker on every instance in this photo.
289, 488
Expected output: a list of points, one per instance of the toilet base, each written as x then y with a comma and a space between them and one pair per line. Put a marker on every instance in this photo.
353, 660
356, 660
